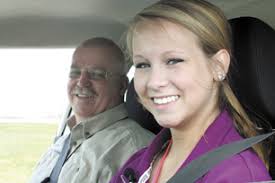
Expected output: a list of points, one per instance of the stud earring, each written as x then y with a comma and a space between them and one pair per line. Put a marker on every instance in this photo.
221, 76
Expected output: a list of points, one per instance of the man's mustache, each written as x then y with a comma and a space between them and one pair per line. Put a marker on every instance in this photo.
84, 91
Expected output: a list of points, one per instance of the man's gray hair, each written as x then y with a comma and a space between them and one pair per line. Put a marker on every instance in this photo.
108, 43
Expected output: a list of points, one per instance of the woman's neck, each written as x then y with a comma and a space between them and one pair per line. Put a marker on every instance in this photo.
186, 137
184, 141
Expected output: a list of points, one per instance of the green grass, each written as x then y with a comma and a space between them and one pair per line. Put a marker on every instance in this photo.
21, 146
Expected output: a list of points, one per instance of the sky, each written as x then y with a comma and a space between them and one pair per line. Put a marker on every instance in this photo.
34, 84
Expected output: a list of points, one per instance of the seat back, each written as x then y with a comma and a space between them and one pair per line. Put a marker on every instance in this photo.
252, 71
137, 112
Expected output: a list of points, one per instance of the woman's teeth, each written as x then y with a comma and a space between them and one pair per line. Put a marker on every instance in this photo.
165, 100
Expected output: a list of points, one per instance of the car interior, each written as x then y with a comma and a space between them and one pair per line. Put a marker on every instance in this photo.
65, 23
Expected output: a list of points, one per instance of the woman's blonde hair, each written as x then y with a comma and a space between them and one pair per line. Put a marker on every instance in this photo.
211, 27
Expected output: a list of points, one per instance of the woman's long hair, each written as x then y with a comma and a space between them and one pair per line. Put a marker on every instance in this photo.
211, 27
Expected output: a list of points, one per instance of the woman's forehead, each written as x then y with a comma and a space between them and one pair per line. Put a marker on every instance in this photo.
161, 34
156, 27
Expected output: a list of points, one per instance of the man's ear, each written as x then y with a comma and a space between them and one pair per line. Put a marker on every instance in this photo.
220, 64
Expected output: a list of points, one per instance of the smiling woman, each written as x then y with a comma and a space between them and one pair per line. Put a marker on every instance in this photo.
33, 84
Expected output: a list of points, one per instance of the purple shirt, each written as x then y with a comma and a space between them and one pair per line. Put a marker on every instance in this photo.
243, 167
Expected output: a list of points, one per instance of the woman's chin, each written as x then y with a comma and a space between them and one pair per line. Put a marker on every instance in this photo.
168, 123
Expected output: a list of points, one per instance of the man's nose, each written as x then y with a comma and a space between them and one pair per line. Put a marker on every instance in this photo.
84, 79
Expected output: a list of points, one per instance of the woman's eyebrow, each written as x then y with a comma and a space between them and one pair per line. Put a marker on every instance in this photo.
138, 56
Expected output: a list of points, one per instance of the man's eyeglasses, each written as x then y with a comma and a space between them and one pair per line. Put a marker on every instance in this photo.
93, 74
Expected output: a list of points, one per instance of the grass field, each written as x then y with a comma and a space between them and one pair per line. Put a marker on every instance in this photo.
21, 145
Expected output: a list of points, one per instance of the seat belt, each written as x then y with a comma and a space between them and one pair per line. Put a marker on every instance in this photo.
61, 159
200, 166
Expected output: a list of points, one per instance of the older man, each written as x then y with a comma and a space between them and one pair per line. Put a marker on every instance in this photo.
102, 137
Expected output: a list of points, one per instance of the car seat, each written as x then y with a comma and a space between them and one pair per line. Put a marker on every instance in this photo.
252, 71
137, 112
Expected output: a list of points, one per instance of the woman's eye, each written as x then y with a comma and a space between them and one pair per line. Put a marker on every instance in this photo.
142, 65
174, 61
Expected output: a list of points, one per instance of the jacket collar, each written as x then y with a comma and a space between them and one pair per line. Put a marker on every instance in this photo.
212, 138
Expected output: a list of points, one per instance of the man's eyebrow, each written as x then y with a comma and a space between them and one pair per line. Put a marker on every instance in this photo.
88, 68
74, 67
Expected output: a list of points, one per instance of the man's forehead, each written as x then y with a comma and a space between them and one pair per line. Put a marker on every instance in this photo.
93, 57
88, 67
95, 51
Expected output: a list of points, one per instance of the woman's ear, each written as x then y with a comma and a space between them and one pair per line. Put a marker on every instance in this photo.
220, 64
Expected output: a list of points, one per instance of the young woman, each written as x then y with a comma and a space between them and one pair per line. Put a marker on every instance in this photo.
181, 52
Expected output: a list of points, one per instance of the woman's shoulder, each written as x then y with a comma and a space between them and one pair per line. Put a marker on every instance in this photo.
242, 167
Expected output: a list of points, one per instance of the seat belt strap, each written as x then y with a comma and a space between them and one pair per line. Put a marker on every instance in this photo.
61, 159
200, 166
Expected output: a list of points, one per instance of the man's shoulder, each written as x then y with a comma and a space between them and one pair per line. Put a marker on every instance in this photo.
124, 136
125, 132
132, 129
128, 123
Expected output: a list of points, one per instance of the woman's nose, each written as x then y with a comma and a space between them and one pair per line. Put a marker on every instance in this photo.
157, 78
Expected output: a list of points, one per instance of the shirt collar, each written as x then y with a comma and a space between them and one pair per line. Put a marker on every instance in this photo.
92, 125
